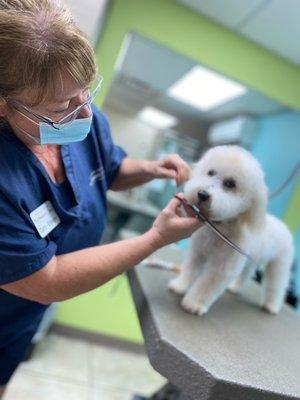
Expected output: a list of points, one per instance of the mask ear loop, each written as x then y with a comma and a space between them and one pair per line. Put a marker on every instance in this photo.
35, 139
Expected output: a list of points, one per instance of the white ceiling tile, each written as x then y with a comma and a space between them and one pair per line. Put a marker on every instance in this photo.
155, 65
228, 12
277, 28
273, 24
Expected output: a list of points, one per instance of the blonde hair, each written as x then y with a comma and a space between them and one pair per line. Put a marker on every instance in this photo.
39, 41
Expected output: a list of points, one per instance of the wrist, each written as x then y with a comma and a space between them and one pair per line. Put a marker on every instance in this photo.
149, 168
154, 239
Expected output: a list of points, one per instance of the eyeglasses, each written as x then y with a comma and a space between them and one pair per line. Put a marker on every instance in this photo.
71, 116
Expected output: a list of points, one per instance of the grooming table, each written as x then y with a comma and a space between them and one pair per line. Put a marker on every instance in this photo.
235, 352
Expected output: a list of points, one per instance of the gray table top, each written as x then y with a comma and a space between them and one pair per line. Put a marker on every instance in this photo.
235, 352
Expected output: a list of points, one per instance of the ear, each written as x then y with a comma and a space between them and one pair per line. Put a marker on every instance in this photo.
256, 215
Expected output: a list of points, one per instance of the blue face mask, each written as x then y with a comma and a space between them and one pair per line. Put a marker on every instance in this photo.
74, 131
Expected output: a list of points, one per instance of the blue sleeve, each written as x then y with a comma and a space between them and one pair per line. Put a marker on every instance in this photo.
22, 251
112, 154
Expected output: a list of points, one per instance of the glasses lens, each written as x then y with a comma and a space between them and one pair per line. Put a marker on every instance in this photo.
96, 85
90, 96
95, 88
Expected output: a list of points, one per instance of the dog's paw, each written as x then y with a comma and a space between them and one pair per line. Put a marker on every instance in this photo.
193, 307
234, 289
202, 309
177, 286
271, 308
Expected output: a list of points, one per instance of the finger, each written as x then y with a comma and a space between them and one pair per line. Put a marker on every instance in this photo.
183, 202
180, 173
174, 163
173, 204
190, 222
183, 173
179, 211
189, 210
182, 168
175, 207
166, 173
180, 195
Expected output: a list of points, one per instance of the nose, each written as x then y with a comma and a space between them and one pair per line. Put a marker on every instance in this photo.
85, 112
203, 196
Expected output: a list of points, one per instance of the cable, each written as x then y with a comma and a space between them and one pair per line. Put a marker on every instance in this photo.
286, 182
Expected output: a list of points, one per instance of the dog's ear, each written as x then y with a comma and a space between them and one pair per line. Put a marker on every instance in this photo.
256, 215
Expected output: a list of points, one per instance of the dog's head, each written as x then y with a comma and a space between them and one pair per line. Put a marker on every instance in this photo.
228, 183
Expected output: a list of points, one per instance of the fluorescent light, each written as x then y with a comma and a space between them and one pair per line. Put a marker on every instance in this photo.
205, 89
157, 118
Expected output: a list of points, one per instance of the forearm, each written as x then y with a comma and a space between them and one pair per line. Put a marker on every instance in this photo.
68, 275
84, 270
132, 173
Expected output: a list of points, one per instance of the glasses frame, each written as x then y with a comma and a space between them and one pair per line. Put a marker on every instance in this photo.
57, 125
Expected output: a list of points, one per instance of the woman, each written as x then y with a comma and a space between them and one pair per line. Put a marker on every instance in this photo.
57, 160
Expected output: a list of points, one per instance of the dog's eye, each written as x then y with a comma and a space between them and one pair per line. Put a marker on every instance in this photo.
229, 183
211, 172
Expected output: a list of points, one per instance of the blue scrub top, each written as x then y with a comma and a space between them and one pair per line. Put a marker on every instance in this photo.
80, 203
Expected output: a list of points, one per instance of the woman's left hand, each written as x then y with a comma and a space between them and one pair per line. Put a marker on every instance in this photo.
172, 167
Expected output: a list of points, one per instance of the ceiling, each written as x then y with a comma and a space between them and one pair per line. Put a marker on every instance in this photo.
145, 70
273, 24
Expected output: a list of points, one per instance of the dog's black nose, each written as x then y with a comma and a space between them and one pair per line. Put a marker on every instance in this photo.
203, 196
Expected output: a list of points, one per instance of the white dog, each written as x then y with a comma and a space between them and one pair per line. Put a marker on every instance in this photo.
227, 184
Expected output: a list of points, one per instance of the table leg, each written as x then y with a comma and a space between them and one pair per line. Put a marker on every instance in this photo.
167, 392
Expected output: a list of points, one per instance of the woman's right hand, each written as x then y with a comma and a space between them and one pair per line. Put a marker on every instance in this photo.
171, 226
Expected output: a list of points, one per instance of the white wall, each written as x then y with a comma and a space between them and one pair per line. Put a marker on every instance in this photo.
89, 15
135, 137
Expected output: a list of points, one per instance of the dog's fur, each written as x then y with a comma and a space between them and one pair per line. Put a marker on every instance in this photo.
211, 266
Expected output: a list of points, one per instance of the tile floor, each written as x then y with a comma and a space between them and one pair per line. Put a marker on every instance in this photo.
70, 369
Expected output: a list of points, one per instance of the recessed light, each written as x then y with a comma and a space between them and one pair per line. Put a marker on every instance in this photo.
157, 118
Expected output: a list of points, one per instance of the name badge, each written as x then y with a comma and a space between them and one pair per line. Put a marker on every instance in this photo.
44, 218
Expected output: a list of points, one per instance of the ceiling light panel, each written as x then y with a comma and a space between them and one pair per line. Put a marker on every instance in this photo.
205, 89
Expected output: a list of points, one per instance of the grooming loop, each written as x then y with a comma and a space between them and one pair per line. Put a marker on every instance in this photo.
158, 263
208, 223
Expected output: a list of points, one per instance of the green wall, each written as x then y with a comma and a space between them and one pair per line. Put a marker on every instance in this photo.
209, 44
108, 310
292, 218
292, 215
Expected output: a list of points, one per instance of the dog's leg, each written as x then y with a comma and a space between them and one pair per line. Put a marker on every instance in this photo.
204, 292
189, 270
184, 280
237, 285
276, 282
211, 285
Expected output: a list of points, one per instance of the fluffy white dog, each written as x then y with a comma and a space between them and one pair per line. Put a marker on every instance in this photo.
227, 184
